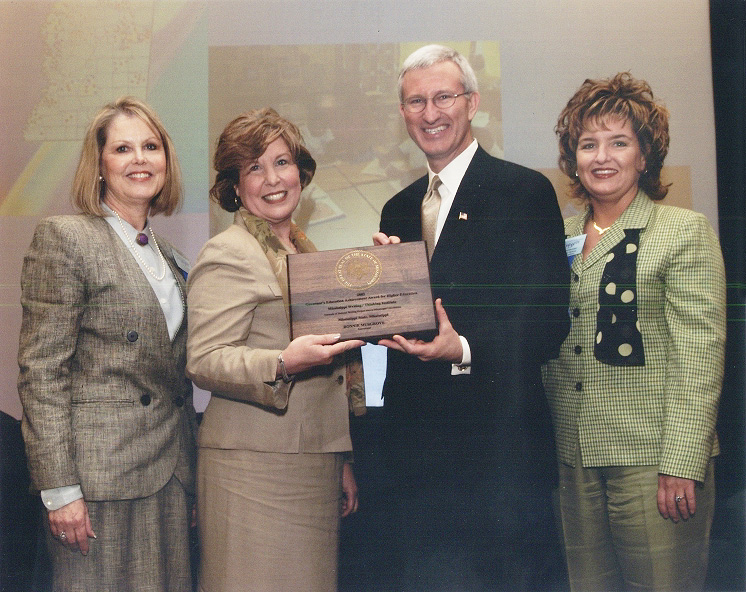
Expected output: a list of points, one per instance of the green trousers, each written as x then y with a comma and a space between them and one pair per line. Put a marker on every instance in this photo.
615, 538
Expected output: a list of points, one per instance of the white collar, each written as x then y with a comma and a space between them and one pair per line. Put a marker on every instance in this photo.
454, 171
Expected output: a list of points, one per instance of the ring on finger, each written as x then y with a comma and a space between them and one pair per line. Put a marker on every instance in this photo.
679, 498
63, 536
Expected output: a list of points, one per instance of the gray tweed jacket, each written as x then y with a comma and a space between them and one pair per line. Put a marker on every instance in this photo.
105, 400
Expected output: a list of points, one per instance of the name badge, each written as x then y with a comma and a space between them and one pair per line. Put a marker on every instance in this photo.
182, 263
573, 246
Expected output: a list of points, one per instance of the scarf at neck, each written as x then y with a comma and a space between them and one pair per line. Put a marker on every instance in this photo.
275, 250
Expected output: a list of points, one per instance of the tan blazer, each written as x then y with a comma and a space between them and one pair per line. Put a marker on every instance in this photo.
237, 327
105, 400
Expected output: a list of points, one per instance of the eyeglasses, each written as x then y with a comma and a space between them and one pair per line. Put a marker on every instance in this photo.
441, 101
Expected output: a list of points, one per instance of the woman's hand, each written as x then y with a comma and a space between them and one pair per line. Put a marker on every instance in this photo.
349, 491
676, 497
379, 238
71, 526
308, 351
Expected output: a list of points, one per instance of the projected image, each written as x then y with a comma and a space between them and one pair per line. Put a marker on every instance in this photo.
344, 99
62, 62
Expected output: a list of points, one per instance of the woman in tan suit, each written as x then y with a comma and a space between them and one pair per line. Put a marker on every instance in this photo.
108, 419
273, 477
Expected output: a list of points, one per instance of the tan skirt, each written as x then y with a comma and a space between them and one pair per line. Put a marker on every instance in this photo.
268, 521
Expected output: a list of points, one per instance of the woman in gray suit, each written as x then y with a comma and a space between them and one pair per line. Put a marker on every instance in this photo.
108, 419
273, 474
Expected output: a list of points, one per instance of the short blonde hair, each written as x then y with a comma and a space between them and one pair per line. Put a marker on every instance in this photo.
89, 188
624, 98
245, 139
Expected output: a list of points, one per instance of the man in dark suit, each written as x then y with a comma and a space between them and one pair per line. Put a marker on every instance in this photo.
467, 432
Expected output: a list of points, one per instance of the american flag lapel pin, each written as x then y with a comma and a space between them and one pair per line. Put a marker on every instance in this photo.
463, 216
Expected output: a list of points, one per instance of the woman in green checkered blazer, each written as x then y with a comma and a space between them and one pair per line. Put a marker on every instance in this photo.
634, 392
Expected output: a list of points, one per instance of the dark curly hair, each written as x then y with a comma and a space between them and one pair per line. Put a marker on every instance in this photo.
621, 97
244, 140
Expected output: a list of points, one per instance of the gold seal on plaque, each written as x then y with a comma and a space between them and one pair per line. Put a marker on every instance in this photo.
358, 270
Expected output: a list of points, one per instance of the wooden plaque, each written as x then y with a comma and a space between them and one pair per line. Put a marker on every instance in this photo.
364, 293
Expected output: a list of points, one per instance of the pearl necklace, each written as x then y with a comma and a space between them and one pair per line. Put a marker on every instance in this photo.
147, 267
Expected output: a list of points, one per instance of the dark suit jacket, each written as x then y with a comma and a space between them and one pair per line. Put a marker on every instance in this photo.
105, 400
501, 271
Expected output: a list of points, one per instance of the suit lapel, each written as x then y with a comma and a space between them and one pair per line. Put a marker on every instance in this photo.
636, 215
464, 207
601, 249
412, 217
134, 281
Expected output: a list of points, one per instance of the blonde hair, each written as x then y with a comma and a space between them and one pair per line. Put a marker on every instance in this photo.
89, 188
245, 139
624, 98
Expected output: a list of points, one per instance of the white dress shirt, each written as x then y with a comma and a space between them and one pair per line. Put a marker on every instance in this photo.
450, 178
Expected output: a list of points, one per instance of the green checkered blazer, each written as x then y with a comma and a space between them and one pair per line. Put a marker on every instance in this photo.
663, 412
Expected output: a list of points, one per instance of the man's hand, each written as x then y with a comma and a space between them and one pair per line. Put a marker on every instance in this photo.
446, 346
381, 239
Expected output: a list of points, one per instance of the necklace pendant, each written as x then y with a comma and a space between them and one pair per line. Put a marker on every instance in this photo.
599, 229
142, 240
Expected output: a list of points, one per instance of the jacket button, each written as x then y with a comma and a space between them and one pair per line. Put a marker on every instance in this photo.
145, 400
578, 349
576, 312
575, 277
132, 336
578, 386
179, 401
340, 379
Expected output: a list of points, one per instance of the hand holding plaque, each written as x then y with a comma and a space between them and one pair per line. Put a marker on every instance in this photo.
365, 293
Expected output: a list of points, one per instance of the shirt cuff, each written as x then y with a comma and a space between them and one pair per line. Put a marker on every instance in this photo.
55, 498
465, 366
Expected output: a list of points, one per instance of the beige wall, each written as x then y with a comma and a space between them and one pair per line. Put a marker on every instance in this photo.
329, 64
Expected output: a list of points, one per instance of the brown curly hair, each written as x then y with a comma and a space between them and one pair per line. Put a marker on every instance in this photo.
244, 140
621, 97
